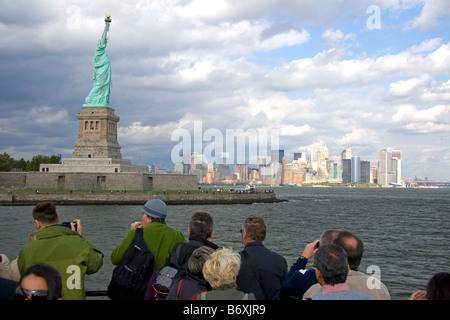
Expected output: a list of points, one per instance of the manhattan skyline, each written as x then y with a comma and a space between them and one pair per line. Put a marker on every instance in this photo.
368, 75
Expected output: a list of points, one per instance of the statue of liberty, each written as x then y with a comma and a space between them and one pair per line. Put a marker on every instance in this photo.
99, 95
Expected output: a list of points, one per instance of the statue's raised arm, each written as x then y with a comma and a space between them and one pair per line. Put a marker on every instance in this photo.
99, 95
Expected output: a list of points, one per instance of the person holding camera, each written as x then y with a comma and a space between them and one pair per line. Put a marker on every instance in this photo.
62, 247
356, 280
299, 279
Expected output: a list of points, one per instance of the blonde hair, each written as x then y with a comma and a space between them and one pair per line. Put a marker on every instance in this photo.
222, 268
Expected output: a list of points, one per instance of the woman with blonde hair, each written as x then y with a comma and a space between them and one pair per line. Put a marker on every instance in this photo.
221, 270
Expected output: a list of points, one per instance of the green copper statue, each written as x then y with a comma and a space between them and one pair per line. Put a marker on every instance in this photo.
99, 95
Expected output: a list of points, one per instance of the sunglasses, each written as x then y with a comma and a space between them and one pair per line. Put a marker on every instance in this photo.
26, 294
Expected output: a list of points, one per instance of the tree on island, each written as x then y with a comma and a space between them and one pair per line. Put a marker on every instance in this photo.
8, 163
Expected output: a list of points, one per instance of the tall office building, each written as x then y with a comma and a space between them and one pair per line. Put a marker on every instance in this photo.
346, 170
389, 167
365, 171
355, 169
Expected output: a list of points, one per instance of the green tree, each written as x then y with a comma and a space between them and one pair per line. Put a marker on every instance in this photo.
33, 165
6, 162
21, 164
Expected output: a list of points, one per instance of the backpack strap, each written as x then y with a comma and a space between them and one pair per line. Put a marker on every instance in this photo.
174, 260
178, 289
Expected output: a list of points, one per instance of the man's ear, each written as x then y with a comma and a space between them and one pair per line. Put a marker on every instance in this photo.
38, 224
319, 277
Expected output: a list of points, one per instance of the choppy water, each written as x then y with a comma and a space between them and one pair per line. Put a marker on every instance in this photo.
405, 231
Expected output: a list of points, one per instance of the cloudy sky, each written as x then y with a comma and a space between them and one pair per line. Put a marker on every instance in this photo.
353, 73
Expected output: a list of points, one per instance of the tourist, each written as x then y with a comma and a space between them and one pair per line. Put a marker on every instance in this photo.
438, 288
39, 282
331, 267
299, 279
10, 270
63, 248
192, 282
159, 237
200, 230
356, 280
221, 270
262, 270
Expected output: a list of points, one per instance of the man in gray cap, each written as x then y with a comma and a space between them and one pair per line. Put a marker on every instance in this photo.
159, 238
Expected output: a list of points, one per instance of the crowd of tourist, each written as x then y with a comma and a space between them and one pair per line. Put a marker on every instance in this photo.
55, 261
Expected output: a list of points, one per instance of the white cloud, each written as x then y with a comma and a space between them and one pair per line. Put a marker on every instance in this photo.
434, 119
327, 69
419, 90
431, 12
359, 136
332, 36
291, 130
426, 45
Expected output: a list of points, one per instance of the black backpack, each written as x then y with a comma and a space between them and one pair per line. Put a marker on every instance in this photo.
130, 277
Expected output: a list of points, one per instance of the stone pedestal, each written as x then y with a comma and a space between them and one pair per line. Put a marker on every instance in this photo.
97, 133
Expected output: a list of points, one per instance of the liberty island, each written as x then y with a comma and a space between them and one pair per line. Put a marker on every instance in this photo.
97, 162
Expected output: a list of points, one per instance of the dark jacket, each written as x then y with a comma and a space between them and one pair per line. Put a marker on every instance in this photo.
186, 251
298, 280
187, 287
262, 272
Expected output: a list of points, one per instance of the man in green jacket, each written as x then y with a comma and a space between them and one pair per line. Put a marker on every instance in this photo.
63, 248
159, 238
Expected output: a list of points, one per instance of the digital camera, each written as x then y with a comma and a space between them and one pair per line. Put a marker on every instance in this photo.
67, 224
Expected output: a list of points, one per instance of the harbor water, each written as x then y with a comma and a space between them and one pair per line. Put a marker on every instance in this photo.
405, 231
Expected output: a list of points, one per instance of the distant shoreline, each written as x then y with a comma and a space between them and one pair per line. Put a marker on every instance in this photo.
21, 199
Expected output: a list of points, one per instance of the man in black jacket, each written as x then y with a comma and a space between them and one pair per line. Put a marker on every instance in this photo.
262, 271
200, 230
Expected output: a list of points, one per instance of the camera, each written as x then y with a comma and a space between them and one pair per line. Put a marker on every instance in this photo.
67, 224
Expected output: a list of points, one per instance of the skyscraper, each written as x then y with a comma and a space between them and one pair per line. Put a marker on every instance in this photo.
346, 170
365, 171
389, 167
356, 169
